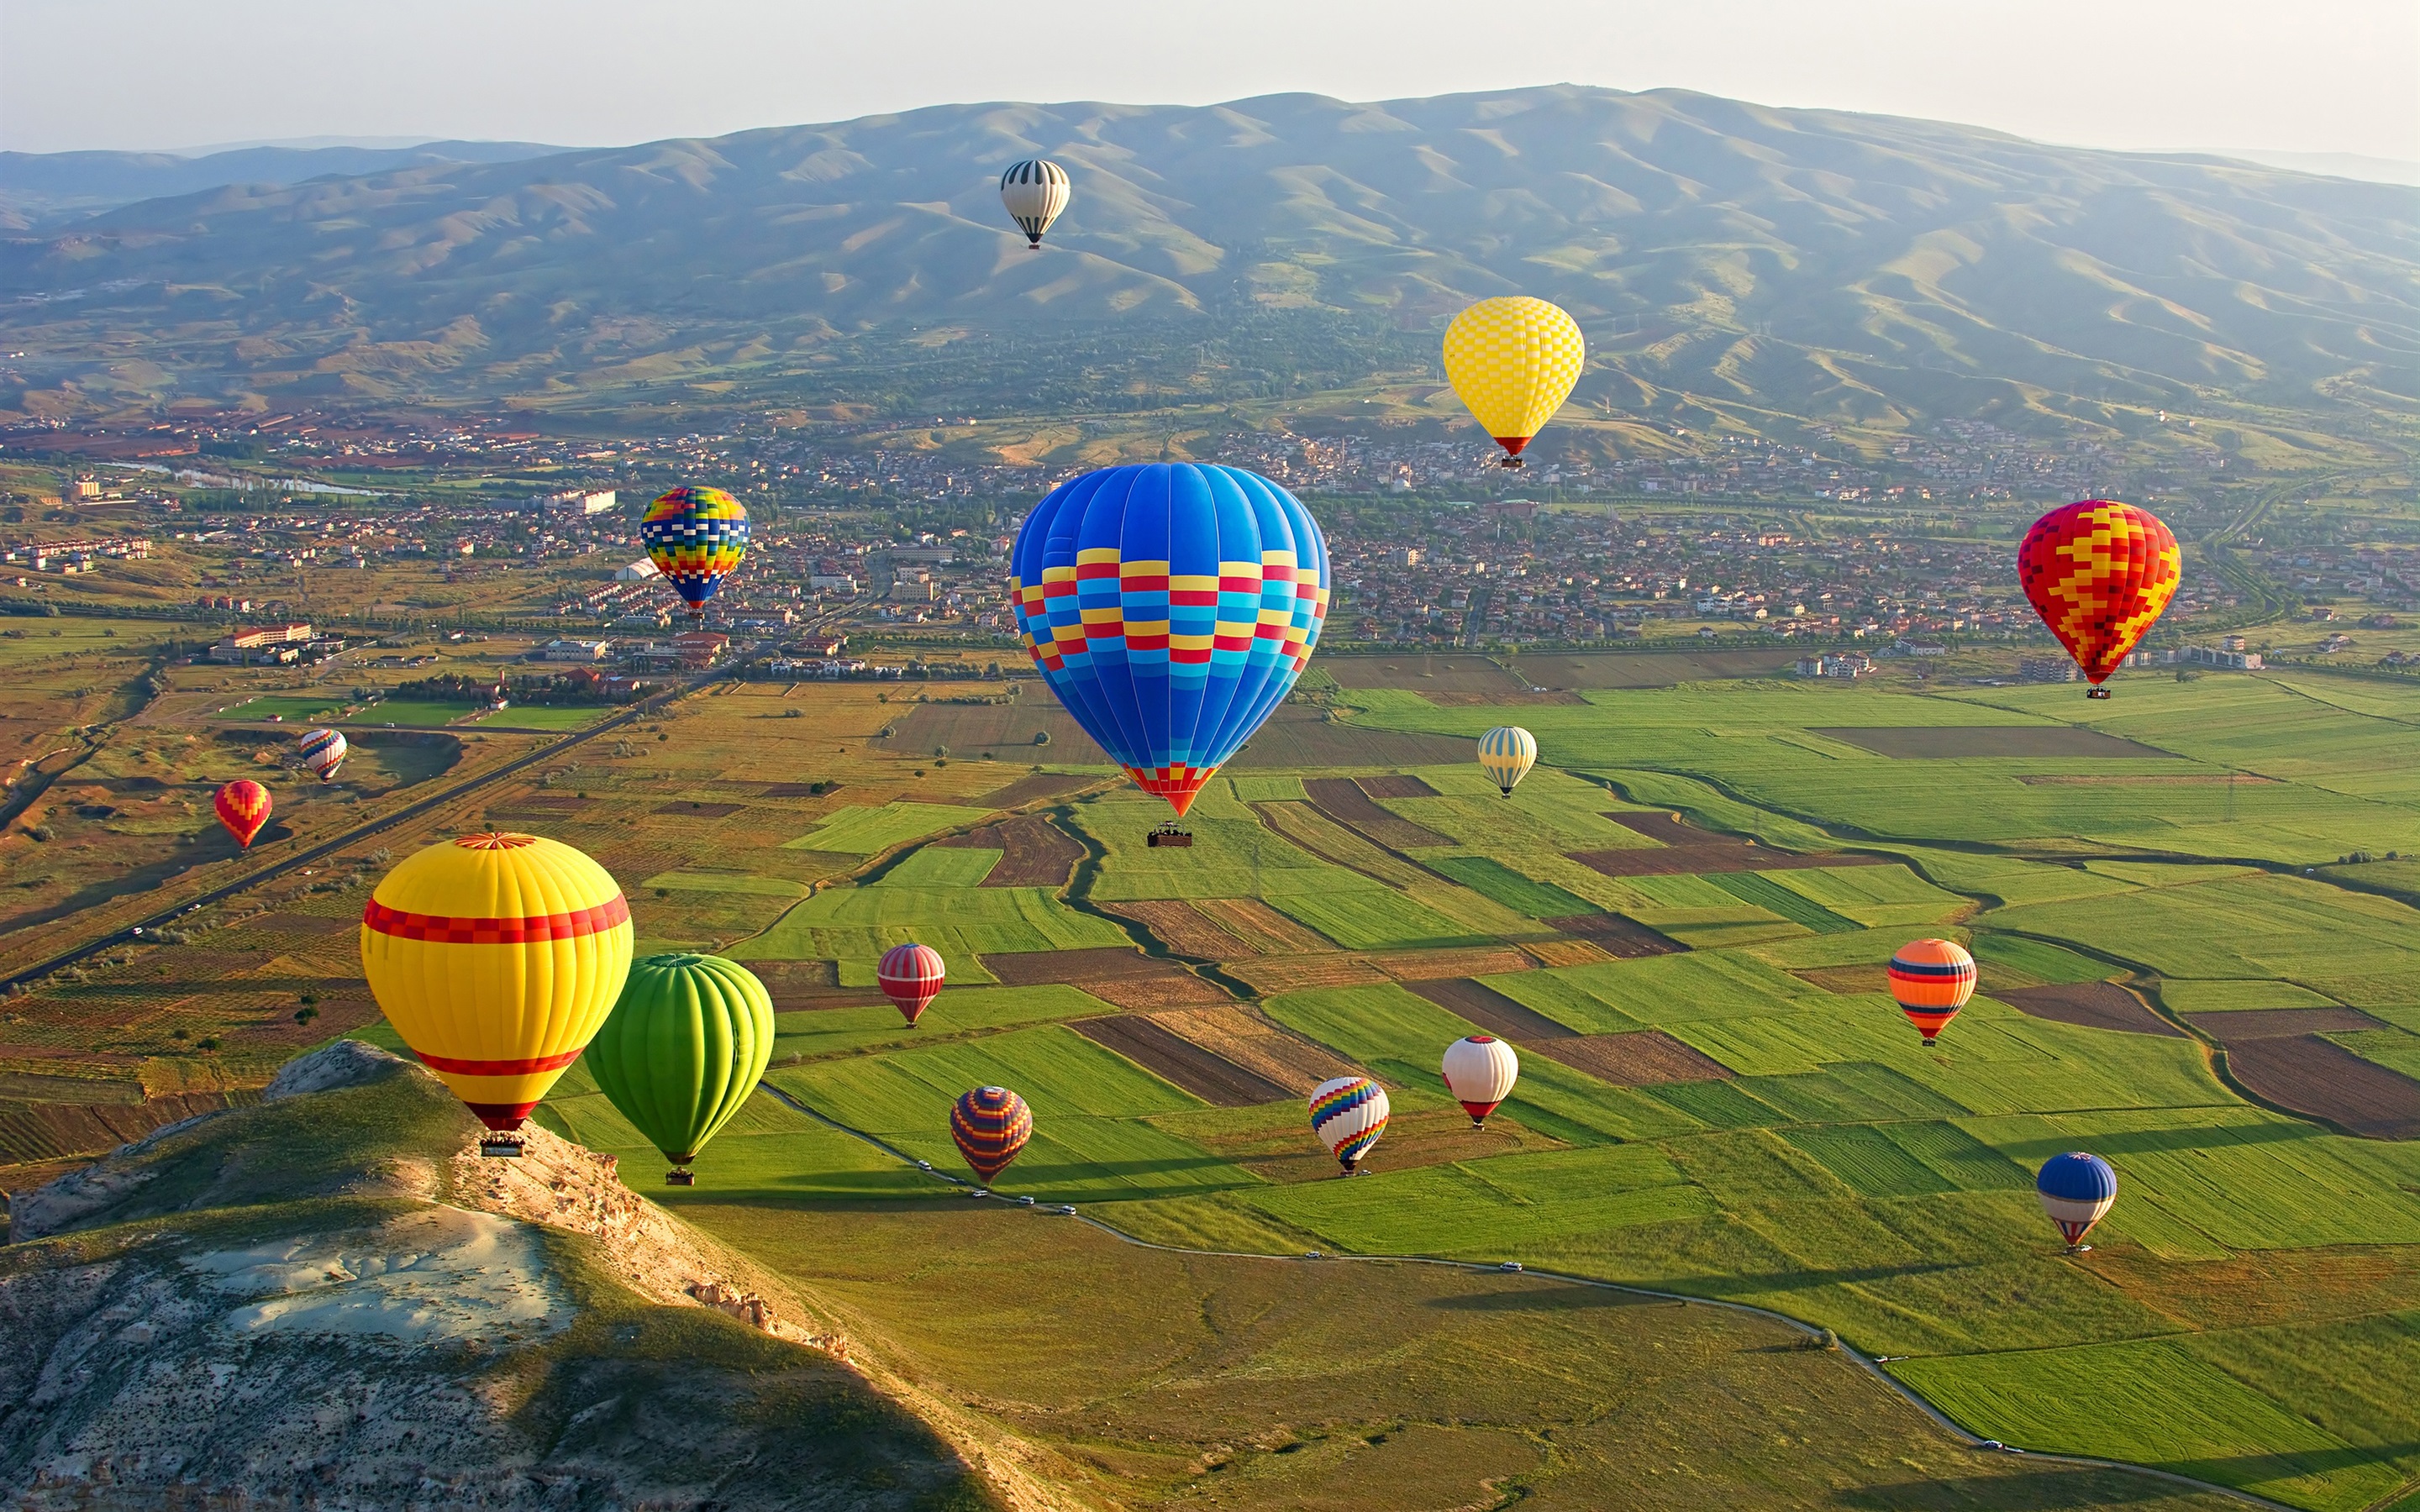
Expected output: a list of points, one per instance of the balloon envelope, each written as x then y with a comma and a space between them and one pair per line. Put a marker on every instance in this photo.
1513, 361
1034, 193
242, 807
324, 751
1931, 979
990, 1125
496, 956
911, 976
2099, 574
2076, 1190
696, 537
1480, 1070
1169, 608
1506, 753
1348, 1112
683, 1048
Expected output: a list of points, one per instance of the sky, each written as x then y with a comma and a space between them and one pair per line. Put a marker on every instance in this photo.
2315, 76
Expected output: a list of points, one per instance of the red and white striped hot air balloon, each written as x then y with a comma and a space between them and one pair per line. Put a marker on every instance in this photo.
911, 976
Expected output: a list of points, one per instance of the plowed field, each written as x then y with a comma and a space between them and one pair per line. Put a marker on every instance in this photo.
2313, 1075
1182, 929
1342, 800
2095, 1005
1032, 788
1398, 785
1244, 1039
1209, 1076
1689, 849
1033, 853
1431, 966
1492, 1011
1272, 974
1643, 1058
1259, 927
1626, 938
1952, 742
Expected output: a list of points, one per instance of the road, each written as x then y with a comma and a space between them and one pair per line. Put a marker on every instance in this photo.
646, 708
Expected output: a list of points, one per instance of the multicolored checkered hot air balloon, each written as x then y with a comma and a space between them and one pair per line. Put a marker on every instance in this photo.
1931, 981
1169, 608
990, 1125
911, 976
1348, 1112
2100, 574
1512, 361
496, 957
696, 537
2077, 1189
324, 751
242, 807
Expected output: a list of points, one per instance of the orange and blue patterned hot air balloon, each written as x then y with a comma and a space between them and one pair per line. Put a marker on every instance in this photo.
1931, 981
497, 957
990, 1125
242, 807
696, 537
2100, 574
1171, 608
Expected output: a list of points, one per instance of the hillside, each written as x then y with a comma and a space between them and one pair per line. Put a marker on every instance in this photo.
1722, 256
45, 190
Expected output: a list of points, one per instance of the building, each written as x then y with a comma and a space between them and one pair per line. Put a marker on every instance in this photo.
699, 649
1839, 664
577, 501
637, 572
2226, 656
573, 650
2045, 670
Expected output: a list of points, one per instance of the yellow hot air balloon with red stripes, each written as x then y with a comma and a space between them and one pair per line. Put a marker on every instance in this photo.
497, 957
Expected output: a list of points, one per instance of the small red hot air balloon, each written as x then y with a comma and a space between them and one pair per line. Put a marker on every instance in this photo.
243, 808
1931, 981
2100, 574
911, 976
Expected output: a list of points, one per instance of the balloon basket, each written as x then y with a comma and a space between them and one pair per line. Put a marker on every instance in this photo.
501, 1147
680, 1178
2098, 693
1168, 835
1930, 1041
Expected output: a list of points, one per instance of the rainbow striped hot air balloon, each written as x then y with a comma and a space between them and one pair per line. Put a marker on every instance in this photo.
242, 807
990, 1125
1170, 609
1348, 1112
1931, 981
496, 957
2077, 1189
1480, 1070
2100, 574
324, 751
911, 976
696, 537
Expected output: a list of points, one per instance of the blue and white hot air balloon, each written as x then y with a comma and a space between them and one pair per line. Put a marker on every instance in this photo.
2077, 1189
1170, 609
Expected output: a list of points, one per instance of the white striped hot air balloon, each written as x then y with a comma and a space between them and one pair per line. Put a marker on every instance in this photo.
1035, 190
1506, 753
324, 751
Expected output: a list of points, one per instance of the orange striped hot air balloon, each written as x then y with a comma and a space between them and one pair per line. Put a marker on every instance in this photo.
2100, 574
497, 957
243, 806
1931, 981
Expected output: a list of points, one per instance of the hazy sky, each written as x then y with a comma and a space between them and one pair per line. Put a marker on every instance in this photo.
2282, 75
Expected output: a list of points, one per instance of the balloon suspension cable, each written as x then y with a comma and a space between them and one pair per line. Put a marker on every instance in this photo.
501, 1146
677, 1177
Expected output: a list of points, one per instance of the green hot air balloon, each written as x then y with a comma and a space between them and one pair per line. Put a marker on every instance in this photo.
683, 1049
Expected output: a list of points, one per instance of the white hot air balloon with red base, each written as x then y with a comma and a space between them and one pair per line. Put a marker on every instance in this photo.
1479, 1072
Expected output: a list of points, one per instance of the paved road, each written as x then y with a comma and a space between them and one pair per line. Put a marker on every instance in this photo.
646, 707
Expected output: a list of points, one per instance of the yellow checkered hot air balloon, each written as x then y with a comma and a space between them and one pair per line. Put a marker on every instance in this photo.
1513, 361
497, 957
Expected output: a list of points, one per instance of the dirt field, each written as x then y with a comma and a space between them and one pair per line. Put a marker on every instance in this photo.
1031, 788
1151, 994
1940, 742
1453, 960
1565, 952
2247, 1025
1184, 931
807, 986
1033, 853
1260, 928
1272, 974
1624, 938
2095, 1005
1031, 968
2312, 1076
1292, 1064
1297, 735
1399, 785
1686, 848
798, 789
701, 811
1492, 1011
1639, 1058
1423, 675
1207, 1075
1345, 801
1647, 669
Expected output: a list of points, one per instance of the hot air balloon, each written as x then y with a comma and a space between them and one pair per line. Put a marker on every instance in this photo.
2076, 1190
1034, 192
324, 751
990, 1125
696, 537
1506, 753
1931, 981
243, 806
2100, 574
682, 1049
1169, 608
1348, 1112
911, 976
1480, 1070
496, 956
1513, 361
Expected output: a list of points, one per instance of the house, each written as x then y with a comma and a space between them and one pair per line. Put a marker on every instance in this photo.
2045, 670
699, 649
572, 651
262, 642
1843, 665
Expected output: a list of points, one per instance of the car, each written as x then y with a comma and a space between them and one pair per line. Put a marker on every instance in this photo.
1025, 1203
978, 1192
1991, 1444
1510, 1265
1312, 1255
1064, 1210
924, 1164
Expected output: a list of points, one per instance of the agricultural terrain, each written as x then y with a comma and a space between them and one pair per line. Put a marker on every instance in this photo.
1679, 920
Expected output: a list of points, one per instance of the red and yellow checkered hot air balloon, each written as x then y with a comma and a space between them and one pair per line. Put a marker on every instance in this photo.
497, 957
242, 807
2100, 574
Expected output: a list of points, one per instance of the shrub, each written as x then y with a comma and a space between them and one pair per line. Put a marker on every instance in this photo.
1042, 737
208, 1041
304, 1015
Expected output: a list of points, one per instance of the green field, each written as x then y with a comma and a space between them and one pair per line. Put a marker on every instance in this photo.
410, 714
288, 708
853, 830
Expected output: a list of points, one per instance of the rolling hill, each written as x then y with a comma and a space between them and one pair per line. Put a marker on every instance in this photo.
1804, 263
45, 190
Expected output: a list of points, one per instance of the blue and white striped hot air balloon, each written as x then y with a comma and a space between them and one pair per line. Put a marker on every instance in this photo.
2076, 1190
1170, 609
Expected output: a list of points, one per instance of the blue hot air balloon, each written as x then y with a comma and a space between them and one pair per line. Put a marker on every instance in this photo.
1169, 608
2077, 1189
